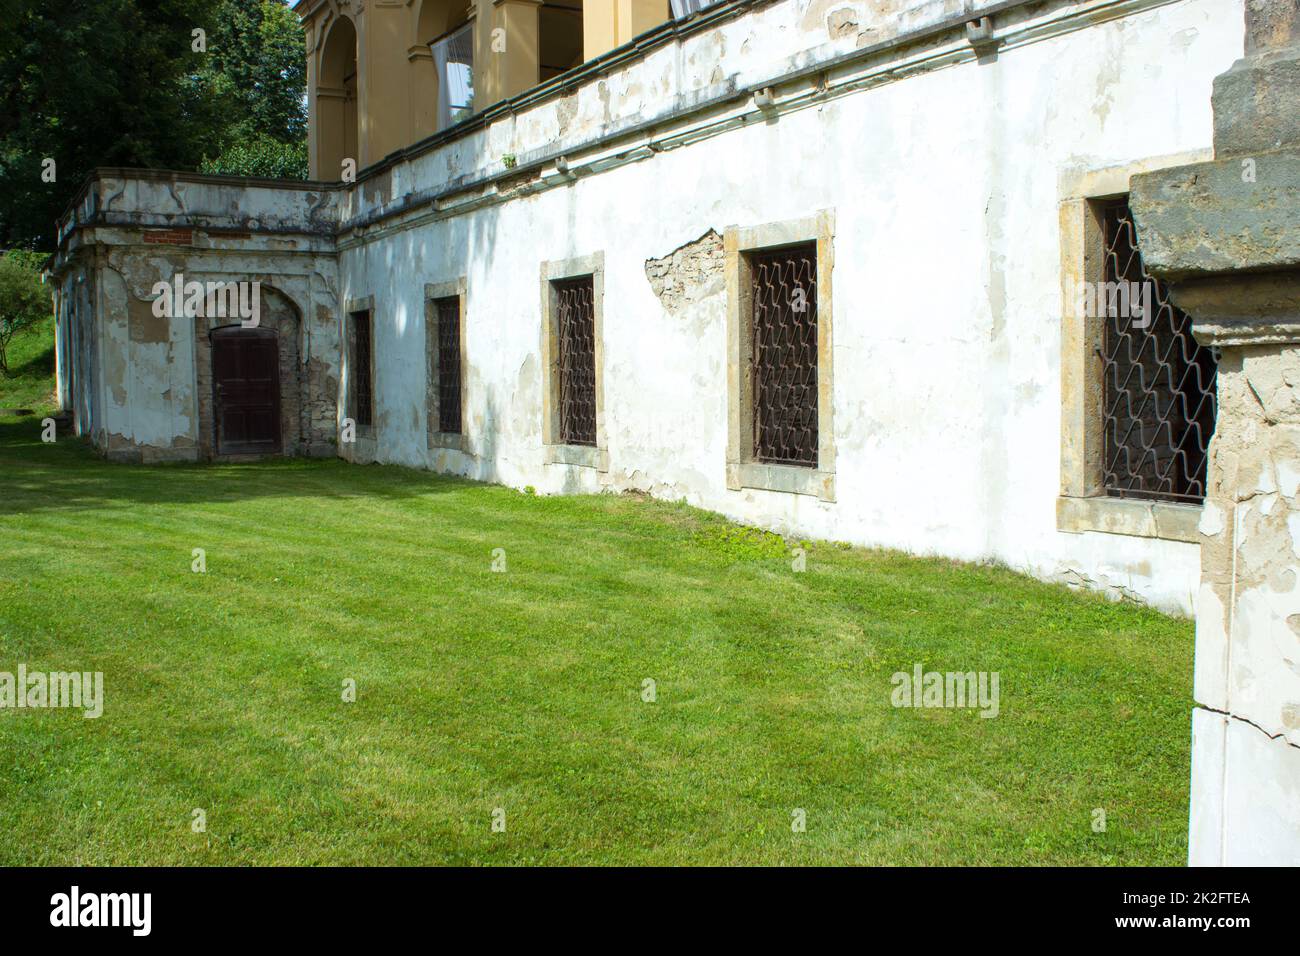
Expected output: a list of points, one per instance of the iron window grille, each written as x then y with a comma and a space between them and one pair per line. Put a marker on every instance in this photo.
576, 339
783, 356
449, 371
1160, 384
361, 353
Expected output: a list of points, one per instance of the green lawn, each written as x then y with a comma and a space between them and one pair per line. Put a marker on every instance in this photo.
522, 690
30, 383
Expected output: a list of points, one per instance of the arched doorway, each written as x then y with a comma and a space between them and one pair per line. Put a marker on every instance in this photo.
442, 61
336, 101
233, 395
246, 390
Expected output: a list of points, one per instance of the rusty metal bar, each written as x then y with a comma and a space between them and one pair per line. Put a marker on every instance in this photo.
576, 331
449, 372
1160, 389
784, 355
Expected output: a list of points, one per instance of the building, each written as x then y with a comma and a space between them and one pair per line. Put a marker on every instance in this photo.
972, 278
575, 230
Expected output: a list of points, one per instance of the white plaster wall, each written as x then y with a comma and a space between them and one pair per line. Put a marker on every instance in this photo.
139, 393
946, 298
1245, 791
206, 201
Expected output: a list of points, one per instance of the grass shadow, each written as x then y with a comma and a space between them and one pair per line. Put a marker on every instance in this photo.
39, 366
69, 475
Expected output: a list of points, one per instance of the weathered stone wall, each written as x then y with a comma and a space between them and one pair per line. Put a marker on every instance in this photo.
690, 275
939, 165
147, 391
942, 167
1248, 626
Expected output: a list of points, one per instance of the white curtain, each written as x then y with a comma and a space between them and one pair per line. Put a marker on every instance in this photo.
453, 61
684, 8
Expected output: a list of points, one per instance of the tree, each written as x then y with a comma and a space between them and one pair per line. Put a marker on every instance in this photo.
24, 300
257, 71
87, 83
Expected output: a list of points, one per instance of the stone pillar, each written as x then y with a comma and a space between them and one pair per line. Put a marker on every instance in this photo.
311, 37
384, 80
635, 17
514, 70
423, 92
607, 24
1226, 236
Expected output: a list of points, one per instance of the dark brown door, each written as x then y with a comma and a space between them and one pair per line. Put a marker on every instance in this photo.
246, 386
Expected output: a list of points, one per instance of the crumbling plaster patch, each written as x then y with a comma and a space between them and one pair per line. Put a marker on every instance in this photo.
1250, 554
690, 273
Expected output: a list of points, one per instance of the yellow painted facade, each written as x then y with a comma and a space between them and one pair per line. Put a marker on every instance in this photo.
383, 74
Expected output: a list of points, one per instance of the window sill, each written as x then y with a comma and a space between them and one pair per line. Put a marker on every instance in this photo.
1166, 520
789, 479
584, 456
363, 447
455, 441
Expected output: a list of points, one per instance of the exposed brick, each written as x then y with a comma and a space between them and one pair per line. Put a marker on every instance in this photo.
170, 237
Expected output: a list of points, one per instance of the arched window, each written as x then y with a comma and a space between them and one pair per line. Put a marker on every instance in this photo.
443, 59
336, 101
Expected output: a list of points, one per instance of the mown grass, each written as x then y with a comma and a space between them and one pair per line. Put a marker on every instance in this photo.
522, 690
30, 382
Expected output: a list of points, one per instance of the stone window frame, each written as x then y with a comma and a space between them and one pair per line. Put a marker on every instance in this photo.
1082, 504
742, 470
433, 291
556, 452
365, 304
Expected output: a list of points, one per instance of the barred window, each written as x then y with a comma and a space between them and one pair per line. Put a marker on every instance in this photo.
449, 371
784, 355
363, 400
1159, 396
575, 332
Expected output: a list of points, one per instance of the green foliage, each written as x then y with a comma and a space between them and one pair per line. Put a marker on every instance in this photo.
24, 301
256, 71
30, 382
262, 156
90, 83
741, 542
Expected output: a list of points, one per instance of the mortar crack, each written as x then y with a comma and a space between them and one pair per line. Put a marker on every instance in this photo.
1246, 720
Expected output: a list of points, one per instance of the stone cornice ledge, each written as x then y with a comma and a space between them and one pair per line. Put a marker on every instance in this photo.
1225, 234
1242, 308
1228, 246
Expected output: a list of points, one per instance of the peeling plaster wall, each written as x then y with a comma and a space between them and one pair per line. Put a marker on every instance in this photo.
140, 397
947, 298
1246, 727
941, 167
76, 349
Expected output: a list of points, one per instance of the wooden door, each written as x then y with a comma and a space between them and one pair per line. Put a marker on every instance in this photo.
246, 387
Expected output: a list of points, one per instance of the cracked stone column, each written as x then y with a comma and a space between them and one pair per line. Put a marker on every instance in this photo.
1226, 236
